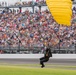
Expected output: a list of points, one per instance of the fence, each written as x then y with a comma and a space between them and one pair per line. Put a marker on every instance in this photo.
36, 50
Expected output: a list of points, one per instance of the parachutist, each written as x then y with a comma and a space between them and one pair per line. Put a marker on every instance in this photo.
46, 57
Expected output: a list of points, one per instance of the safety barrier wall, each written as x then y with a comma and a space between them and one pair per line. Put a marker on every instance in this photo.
36, 56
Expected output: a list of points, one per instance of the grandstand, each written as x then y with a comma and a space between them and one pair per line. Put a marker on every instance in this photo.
29, 31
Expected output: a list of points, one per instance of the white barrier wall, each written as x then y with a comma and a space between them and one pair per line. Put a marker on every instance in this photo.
36, 56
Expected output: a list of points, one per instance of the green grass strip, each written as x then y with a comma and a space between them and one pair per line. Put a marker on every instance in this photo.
23, 70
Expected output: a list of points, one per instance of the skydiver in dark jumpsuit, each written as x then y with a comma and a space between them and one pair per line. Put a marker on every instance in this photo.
46, 57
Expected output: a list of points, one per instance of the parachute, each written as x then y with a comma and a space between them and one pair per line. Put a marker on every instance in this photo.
61, 11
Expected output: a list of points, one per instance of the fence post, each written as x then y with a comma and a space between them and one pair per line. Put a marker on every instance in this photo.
75, 48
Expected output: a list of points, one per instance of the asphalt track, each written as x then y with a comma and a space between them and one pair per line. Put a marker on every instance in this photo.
69, 62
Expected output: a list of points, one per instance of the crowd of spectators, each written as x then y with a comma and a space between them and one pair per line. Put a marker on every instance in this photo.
35, 30
24, 3
37, 2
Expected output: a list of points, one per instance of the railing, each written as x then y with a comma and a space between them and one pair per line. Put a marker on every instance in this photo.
33, 50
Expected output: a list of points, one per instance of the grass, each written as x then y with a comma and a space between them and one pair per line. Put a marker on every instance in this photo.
25, 70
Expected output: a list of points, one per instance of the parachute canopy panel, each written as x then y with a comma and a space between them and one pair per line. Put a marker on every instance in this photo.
61, 11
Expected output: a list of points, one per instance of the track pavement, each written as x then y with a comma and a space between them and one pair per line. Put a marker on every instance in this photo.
71, 62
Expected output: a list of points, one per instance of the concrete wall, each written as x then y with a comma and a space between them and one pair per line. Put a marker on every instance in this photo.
36, 56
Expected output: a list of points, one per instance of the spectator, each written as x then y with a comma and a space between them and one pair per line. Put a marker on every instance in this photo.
35, 30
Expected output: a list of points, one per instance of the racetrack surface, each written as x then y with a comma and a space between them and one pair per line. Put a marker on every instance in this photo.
69, 62
35, 63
